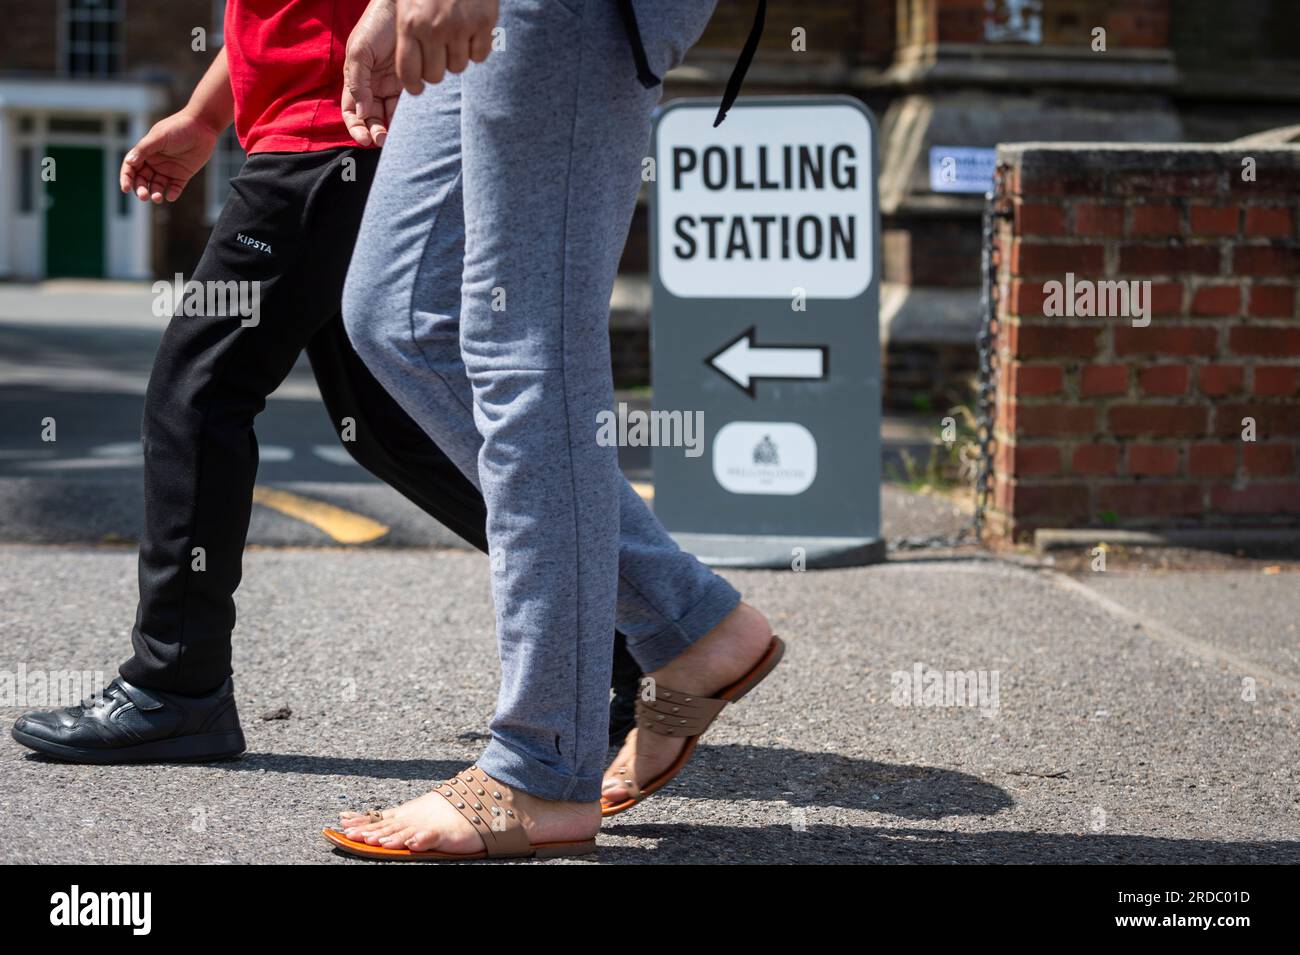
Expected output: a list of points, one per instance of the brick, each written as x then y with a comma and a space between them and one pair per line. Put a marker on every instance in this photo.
1210, 221
1217, 300
1164, 380
1266, 260
1101, 380
1095, 459
1264, 340
1166, 298
1277, 381
1258, 498
1267, 460
1156, 219
1038, 258
1032, 380
1091, 219
1026, 298
1157, 339
1141, 502
1039, 340
1036, 460
1040, 218
1066, 503
1168, 259
1159, 420
1272, 301
1271, 221
1271, 420
1152, 460
1218, 380
1050, 421
1217, 459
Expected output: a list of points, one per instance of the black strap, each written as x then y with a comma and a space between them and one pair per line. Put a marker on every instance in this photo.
648, 78
742, 64
643, 71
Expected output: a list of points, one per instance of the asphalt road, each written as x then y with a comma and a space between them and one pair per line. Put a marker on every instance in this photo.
1108, 741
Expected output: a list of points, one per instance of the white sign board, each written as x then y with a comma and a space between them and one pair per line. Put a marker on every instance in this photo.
776, 199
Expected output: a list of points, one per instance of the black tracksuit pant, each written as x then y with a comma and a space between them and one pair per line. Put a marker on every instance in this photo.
289, 225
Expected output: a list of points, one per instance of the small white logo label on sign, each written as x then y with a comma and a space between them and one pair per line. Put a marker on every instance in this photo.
765, 457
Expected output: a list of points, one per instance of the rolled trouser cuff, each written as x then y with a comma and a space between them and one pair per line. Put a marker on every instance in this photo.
656, 650
535, 777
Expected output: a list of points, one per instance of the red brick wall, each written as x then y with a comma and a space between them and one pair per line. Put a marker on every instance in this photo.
1104, 423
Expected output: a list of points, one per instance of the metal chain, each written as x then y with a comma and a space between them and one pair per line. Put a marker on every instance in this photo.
995, 208
986, 347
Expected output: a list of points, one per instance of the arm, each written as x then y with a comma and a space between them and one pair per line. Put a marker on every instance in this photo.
213, 101
162, 163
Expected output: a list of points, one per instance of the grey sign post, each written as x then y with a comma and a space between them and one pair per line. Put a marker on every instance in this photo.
765, 236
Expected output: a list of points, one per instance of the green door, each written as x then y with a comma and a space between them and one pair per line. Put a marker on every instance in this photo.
74, 211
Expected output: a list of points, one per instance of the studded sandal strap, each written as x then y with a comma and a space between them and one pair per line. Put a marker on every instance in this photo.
490, 808
673, 713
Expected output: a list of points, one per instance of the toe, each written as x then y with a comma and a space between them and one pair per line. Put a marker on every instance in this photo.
376, 835
397, 839
424, 841
618, 786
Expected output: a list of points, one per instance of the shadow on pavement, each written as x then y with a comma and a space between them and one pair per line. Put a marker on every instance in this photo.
804, 779
822, 844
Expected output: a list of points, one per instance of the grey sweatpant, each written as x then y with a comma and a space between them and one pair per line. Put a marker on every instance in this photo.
526, 170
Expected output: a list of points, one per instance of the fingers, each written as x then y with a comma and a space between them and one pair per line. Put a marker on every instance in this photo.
138, 175
410, 63
156, 188
480, 45
457, 53
427, 50
434, 55
354, 118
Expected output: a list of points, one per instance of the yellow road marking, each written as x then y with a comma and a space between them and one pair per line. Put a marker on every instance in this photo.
343, 526
645, 489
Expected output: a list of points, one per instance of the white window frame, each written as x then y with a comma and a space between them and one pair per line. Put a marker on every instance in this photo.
114, 50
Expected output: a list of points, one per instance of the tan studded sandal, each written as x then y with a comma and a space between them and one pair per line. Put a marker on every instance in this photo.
489, 806
685, 715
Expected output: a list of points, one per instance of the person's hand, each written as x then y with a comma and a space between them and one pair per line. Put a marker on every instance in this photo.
163, 162
435, 37
370, 84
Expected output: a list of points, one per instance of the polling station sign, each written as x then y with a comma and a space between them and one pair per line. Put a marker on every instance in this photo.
765, 256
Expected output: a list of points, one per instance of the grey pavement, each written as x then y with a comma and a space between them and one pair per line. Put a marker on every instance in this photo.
1105, 742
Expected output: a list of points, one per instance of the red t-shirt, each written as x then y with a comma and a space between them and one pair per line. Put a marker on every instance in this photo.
286, 69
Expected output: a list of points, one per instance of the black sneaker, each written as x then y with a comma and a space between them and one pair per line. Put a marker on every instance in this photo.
127, 724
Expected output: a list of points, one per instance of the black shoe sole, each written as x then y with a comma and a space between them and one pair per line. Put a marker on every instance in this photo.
177, 749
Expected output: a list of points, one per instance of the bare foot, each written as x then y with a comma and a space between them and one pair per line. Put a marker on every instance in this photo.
716, 660
431, 822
